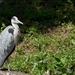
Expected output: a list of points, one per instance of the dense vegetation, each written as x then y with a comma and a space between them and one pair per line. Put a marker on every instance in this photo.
47, 41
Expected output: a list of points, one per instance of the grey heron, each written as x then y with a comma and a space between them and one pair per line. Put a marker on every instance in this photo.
9, 39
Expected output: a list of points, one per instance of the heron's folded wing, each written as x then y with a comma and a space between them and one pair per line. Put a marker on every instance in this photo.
6, 43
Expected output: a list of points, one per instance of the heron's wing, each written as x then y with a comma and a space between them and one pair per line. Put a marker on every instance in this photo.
9, 54
6, 43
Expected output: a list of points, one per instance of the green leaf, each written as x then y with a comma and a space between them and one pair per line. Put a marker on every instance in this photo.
63, 61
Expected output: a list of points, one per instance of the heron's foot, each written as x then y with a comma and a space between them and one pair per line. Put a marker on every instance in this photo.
10, 73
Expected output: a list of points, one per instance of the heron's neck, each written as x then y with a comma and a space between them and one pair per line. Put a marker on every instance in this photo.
15, 26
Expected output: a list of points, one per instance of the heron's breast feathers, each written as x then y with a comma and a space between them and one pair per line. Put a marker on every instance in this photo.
16, 35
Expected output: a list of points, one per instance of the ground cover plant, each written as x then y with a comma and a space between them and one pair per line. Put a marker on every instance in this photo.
53, 51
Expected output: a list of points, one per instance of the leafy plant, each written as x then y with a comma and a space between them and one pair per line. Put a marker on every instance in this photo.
3, 26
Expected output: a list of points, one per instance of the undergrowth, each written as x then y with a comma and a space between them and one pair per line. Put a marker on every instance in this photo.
53, 51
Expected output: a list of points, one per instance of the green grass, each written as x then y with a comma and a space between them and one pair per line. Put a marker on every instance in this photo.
54, 51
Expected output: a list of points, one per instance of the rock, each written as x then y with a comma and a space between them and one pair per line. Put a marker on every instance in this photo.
12, 73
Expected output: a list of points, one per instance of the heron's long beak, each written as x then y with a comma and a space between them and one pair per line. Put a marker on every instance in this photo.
20, 22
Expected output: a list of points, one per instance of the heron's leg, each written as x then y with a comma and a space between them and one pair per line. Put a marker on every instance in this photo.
8, 64
8, 67
10, 73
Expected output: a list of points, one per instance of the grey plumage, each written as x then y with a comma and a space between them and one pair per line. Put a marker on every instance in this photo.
8, 39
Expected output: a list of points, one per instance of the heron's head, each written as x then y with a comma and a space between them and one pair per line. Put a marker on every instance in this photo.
15, 20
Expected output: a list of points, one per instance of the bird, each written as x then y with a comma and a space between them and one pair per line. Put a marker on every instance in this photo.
9, 39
